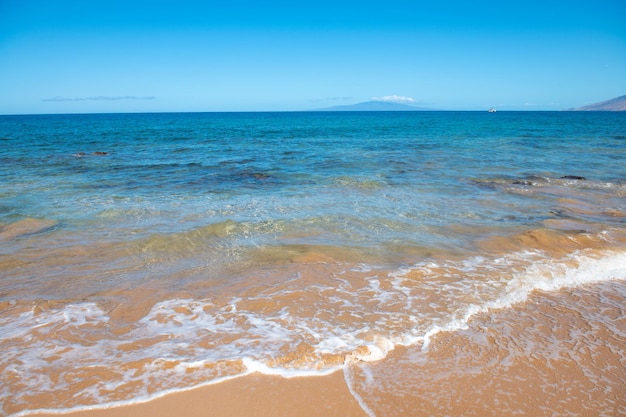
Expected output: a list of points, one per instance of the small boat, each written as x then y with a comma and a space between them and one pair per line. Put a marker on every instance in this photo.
491, 110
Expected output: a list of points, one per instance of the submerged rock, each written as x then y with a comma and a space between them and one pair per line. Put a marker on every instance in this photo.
25, 227
96, 153
523, 182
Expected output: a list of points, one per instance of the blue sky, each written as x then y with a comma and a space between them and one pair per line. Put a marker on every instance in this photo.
79, 56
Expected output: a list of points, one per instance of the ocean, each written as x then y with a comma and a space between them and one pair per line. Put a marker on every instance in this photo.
446, 263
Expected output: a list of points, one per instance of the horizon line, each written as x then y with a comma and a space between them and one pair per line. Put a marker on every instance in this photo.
418, 110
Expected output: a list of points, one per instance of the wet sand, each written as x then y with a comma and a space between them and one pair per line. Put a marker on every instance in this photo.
253, 395
559, 353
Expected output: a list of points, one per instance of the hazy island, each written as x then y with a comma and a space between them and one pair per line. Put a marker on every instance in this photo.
615, 104
375, 106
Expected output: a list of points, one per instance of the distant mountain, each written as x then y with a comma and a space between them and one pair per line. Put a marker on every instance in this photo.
616, 104
374, 106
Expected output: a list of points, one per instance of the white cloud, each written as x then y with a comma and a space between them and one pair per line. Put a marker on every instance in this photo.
395, 99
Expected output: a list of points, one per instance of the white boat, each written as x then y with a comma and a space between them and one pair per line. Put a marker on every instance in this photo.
491, 110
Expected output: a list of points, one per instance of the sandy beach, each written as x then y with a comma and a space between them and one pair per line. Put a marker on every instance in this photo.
253, 395
542, 357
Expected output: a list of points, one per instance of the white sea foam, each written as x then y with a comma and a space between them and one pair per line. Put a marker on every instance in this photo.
375, 351
253, 366
347, 375
545, 275
186, 337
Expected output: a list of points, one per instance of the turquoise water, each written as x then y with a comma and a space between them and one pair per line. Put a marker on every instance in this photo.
100, 213
366, 178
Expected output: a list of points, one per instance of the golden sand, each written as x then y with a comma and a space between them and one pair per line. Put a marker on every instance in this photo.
253, 395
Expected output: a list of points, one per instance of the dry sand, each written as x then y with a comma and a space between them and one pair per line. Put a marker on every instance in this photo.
254, 395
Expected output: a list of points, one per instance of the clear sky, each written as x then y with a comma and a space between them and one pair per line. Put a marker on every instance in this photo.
83, 56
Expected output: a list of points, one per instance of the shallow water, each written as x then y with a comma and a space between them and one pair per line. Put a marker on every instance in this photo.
141, 254
559, 353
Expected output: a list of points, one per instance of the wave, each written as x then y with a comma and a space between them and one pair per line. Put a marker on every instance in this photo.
318, 318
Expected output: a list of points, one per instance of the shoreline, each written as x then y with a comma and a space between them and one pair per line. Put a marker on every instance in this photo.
255, 394
506, 356
332, 394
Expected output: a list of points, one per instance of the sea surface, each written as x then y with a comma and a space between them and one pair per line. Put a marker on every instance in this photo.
455, 260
